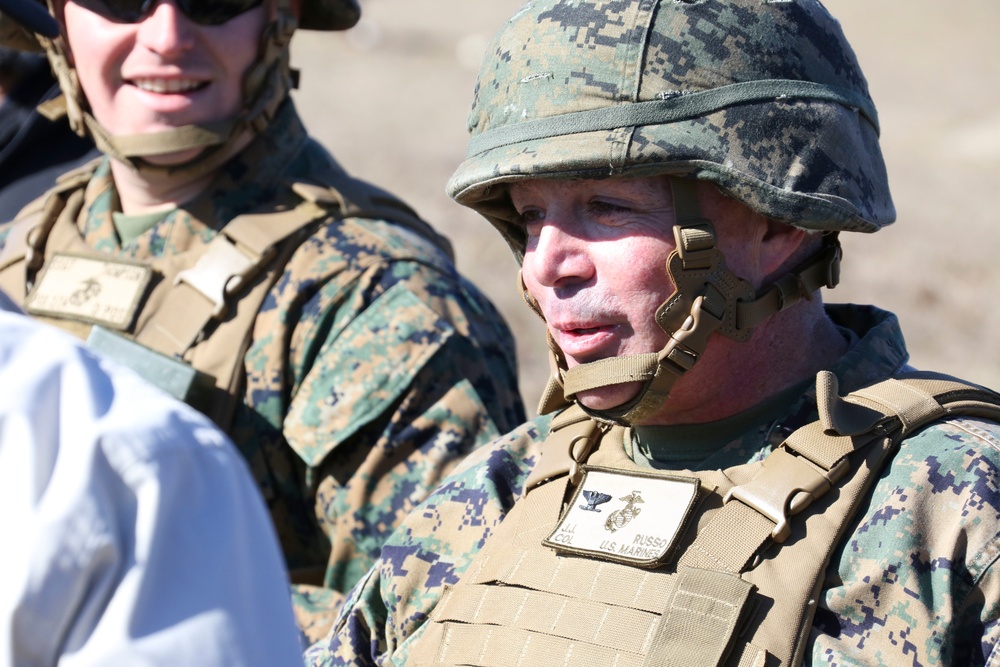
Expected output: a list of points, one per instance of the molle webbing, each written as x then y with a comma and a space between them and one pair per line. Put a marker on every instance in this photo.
521, 603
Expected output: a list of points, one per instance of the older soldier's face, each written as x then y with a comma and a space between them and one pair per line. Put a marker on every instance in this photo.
164, 71
595, 261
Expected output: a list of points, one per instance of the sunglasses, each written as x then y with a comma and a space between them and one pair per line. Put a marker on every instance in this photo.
202, 12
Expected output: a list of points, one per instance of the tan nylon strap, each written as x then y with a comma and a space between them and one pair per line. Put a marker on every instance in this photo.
685, 195
571, 430
787, 483
177, 324
823, 270
815, 444
715, 546
613, 370
258, 233
552, 397
205, 291
914, 400
42, 213
174, 140
16, 246
749, 655
911, 405
701, 620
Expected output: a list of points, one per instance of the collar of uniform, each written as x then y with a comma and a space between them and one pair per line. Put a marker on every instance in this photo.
693, 446
250, 179
876, 351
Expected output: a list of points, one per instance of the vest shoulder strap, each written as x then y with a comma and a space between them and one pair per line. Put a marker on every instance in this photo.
809, 463
247, 246
22, 240
572, 433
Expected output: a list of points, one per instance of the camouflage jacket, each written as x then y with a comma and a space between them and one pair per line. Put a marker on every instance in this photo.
913, 583
373, 366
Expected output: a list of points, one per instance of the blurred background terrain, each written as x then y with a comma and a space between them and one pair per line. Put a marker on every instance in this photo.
389, 99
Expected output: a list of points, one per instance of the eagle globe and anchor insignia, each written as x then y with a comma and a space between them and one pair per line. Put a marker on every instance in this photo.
620, 518
627, 534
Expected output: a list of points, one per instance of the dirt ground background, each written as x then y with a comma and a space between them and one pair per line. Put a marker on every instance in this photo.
389, 99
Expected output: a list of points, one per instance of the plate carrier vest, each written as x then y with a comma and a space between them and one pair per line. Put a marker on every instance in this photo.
741, 588
203, 303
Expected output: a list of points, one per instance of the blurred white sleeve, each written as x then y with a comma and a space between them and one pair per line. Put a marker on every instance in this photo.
132, 531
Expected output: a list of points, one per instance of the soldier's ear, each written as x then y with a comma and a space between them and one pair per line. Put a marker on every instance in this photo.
781, 247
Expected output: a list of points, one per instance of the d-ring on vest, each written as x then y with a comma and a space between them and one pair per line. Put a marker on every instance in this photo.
741, 588
203, 307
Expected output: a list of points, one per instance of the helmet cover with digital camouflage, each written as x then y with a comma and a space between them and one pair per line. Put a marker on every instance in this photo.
265, 86
763, 98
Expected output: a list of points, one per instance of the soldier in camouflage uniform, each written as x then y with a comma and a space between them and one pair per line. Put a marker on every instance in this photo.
672, 177
315, 317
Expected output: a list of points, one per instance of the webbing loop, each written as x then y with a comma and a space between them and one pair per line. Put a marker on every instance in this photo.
701, 619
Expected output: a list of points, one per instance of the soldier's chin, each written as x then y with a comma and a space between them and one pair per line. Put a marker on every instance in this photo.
610, 397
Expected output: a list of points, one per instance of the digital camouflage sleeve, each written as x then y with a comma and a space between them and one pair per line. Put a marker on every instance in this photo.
374, 368
915, 583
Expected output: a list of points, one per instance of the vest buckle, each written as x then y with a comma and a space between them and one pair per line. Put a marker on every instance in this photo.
785, 486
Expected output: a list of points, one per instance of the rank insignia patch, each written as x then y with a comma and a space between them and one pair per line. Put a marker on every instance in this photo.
647, 514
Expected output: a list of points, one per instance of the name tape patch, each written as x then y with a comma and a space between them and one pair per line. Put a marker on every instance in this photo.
103, 291
630, 518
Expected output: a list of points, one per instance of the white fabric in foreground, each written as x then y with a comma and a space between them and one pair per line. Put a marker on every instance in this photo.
132, 531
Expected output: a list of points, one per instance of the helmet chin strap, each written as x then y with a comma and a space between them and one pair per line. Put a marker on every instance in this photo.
708, 298
265, 87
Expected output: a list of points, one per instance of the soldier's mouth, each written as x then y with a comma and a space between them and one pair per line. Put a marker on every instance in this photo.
168, 86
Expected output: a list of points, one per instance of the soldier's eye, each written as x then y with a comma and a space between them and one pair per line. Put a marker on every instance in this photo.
530, 217
606, 209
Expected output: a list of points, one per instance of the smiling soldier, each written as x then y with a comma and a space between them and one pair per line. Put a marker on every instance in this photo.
726, 471
314, 317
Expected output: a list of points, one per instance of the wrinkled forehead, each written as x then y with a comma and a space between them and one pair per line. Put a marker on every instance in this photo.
651, 189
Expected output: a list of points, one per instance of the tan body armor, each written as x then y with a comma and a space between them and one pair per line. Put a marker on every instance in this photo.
740, 587
201, 304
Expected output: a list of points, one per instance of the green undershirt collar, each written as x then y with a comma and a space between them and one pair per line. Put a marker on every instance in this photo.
688, 446
131, 227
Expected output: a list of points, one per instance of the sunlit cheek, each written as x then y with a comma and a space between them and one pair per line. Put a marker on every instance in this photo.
529, 267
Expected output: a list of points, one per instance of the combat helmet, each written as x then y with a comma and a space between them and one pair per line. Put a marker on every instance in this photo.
265, 87
763, 98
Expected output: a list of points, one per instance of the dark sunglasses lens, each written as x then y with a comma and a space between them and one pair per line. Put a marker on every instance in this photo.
215, 12
204, 12
121, 11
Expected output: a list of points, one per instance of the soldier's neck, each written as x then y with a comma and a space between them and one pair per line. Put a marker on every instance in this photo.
142, 192
789, 348
148, 191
